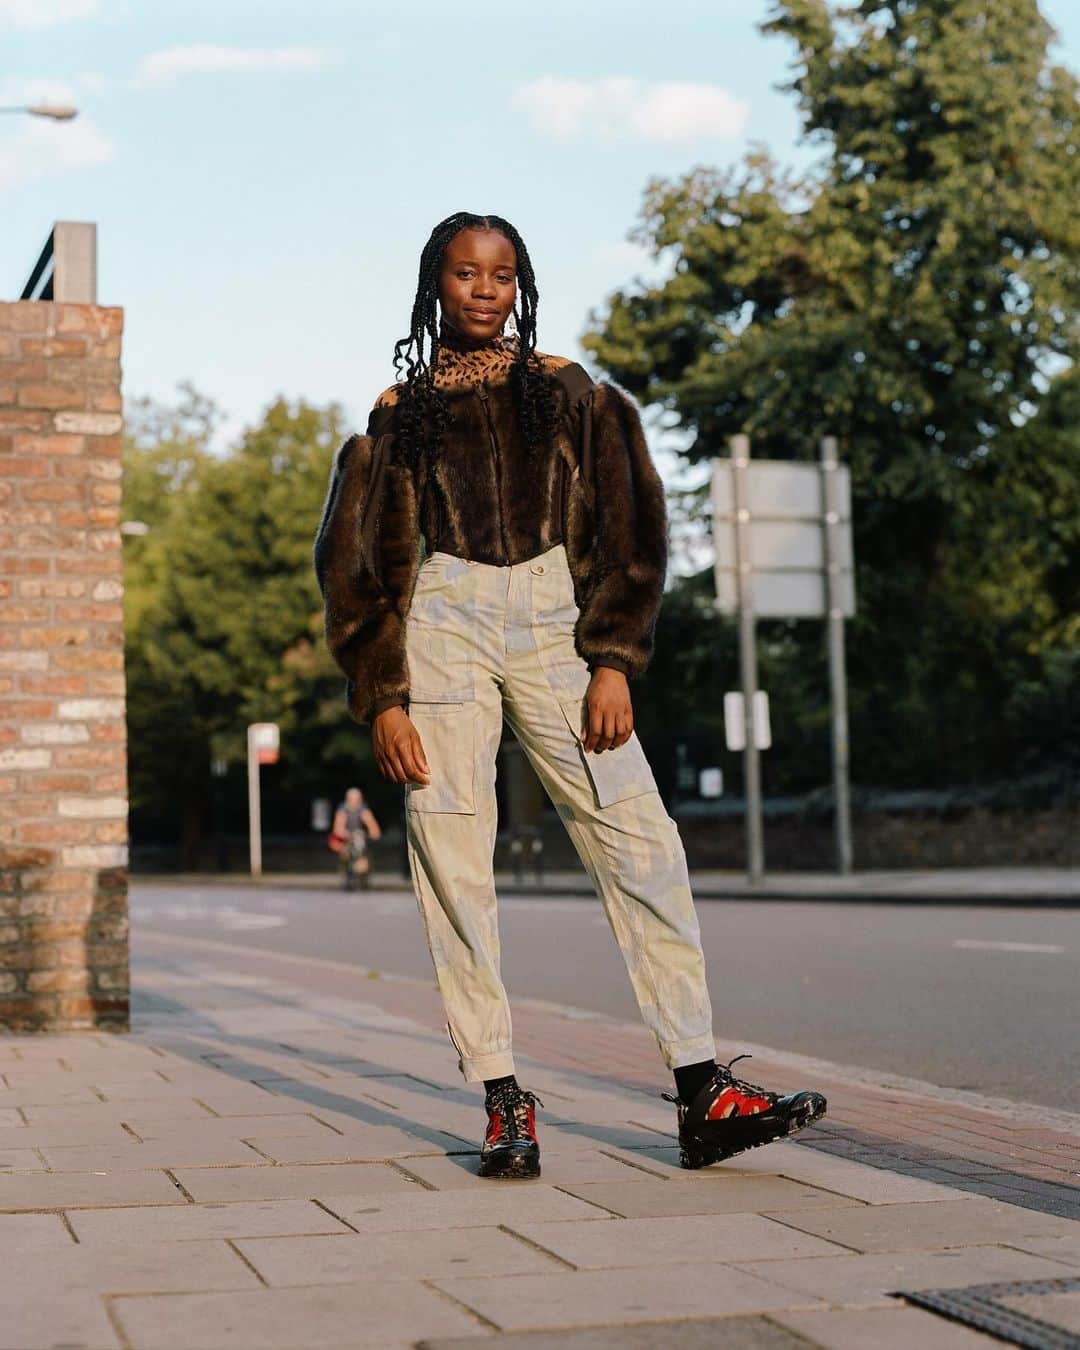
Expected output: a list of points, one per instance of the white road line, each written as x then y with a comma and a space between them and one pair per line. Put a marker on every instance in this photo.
979, 945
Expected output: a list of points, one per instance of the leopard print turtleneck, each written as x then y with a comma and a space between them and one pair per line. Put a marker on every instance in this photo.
461, 364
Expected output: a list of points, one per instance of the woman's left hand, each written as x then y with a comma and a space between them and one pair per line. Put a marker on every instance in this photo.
609, 715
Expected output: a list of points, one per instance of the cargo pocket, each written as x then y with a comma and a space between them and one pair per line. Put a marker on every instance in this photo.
615, 774
446, 722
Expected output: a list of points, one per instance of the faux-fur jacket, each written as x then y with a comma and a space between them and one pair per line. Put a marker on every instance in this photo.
485, 497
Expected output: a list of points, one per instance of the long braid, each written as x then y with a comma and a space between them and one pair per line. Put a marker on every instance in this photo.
424, 413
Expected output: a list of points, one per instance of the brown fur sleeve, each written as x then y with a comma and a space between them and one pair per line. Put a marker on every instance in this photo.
630, 548
367, 597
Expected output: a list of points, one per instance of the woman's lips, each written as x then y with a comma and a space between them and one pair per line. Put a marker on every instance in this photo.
483, 314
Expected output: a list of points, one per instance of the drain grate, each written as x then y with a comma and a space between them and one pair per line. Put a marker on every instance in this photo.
979, 1307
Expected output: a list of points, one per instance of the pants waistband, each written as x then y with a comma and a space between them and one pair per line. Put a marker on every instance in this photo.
548, 560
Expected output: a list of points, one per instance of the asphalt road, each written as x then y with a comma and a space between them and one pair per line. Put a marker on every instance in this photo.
982, 999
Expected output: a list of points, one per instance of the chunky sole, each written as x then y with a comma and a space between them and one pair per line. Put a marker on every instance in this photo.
752, 1132
515, 1166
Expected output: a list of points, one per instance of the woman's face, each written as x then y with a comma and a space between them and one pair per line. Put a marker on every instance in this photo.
478, 285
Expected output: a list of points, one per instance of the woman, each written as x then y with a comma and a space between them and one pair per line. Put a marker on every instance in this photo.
545, 529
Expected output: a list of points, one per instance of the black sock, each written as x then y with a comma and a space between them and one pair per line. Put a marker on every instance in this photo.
490, 1084
691, 1078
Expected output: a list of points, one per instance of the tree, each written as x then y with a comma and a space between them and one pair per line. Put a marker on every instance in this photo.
912, 294
224, 614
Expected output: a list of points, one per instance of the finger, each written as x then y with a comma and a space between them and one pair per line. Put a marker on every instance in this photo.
418, 753
411, 764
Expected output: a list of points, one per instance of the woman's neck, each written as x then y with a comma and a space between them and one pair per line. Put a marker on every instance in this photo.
461, 360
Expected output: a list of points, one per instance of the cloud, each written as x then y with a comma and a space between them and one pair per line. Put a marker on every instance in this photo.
174, 62
648, 110
43, 13
35, 148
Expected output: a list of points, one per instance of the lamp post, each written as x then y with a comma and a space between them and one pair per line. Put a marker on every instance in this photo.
58, 112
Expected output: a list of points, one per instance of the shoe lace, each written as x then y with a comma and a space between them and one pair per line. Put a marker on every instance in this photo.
513, 1102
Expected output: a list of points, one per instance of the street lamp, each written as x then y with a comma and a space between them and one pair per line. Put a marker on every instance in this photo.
59, 112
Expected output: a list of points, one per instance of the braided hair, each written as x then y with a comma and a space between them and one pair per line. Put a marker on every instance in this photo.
424, 414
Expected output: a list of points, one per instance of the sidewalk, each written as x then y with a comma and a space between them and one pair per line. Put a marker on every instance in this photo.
282, 1154
1057, 886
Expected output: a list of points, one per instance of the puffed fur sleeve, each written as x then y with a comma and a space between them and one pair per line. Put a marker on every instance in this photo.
630, 544
366, 556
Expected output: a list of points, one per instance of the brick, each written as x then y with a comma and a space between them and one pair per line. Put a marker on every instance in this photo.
49, 445
103, 493
57, 981
25, 759
95, 855
110, 782
52, 684
37, 709
11, 564
54, 733
52, 396
85, 467
106, 347
38, 613
23, 466
23, 370
52, 492
90, 757
87, 370
57, 782
53, 832
23, 661
25, 515
86, 709
109, 400
95, 808
52, 346
89, 613
23, 316
91, 660
54, 637
110, 831
57, 588
98, 320
89, 423
25, 419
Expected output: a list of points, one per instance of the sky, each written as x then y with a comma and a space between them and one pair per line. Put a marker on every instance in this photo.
264, 175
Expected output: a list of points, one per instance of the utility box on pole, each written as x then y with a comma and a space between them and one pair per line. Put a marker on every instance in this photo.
782, 532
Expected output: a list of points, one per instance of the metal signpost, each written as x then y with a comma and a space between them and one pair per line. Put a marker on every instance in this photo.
263, 741
782, 532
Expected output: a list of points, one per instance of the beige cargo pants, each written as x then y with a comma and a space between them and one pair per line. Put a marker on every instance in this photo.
485, 643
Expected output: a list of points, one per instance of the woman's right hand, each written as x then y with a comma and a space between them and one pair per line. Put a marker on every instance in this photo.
399, 752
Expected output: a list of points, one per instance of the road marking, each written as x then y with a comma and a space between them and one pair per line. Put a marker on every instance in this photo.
979, 945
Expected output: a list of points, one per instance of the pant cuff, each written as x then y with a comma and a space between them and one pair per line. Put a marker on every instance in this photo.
499, 1064
677, 1054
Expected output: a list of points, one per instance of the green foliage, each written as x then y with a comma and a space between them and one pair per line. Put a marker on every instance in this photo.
914, 294
224, 617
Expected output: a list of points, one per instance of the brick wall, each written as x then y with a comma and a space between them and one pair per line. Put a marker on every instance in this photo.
63, 777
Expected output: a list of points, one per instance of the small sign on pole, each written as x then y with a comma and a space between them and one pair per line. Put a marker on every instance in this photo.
263, 742
711, 782
735, 720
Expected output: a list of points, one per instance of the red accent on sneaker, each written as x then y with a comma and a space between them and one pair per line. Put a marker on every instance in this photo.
734, 1102
495, 1127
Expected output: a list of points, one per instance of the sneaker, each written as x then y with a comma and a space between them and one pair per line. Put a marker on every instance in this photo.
510, 1148
729, 1116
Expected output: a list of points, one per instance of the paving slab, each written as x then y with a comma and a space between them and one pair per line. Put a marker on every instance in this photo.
459, 1208
394, 1256
884, 1329
98, 1113
363, 1314
187, 1223
361, 1144
868, 1280
130, 1268
668, 1242
591, 1297
178, 1151
1065, 1249
20, 1160
70, 1190
947, 1223
37, 1233
1059, 1309
69, 1319
290, 1183
745, 1333
734, 1195
460, 1172
299, 1125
